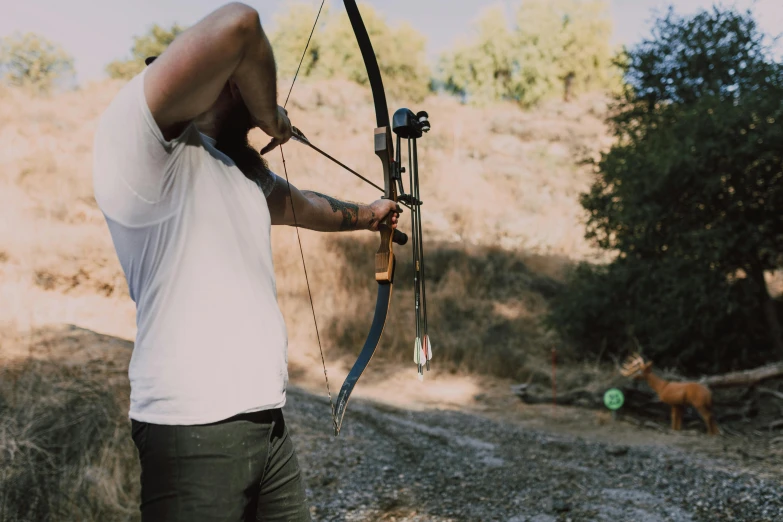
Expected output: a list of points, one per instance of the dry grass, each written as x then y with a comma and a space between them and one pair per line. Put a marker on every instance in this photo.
501, 216
64, 449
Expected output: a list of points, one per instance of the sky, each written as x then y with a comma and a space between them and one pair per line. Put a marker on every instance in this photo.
96, 32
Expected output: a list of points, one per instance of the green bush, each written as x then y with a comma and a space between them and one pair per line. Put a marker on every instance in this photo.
677, 315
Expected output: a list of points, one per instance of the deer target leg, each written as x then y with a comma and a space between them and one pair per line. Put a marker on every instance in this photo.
709, 420
677, 418
713, 426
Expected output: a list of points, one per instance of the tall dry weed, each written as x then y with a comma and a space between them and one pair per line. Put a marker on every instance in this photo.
64, 449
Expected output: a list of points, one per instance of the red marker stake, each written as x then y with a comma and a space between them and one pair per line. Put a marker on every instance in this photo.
554, 379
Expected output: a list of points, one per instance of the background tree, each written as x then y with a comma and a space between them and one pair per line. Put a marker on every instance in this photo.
153, 43
291, 30
555, 48
483, 69
690, 198
563, 48
334, 53
30, 60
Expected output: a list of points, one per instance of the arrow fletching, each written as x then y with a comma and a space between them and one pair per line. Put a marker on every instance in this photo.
418, 352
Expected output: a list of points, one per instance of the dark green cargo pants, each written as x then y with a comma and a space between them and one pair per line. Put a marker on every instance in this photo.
237, 470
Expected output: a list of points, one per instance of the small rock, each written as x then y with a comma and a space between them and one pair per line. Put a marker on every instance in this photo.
543, 518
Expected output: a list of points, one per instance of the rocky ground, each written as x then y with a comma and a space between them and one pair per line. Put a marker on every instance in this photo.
459, 449
393, 464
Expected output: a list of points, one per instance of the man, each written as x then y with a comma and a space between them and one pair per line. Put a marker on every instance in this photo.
189, 206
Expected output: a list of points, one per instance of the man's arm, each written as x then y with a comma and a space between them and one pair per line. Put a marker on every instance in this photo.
228, 44
323, 213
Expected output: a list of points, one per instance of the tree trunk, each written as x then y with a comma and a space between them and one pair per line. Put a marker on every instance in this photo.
567, 85
768, 308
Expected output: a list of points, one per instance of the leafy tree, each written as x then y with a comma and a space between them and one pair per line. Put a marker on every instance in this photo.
564, 48
153, 43
292, 29
556, 48
691, 194
30, 60
486, 68
334, 53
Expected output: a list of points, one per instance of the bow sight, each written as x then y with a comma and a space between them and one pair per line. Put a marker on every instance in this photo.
409, 126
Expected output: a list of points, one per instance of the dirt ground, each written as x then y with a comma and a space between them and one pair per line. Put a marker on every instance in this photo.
502, 460
454, 448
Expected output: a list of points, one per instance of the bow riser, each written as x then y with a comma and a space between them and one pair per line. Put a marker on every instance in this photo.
384, 258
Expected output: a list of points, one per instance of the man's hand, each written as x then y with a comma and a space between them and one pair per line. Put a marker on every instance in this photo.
279, 130
379, 210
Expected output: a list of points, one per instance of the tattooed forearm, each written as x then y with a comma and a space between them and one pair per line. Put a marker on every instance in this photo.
373, 220
350, 211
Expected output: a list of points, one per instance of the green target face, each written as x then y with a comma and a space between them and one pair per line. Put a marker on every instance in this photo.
613, 399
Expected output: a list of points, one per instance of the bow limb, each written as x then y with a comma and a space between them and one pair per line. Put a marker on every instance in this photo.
384, 258
370, 63
368, 350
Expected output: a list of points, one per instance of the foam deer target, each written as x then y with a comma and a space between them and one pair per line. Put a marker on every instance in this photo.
675, 394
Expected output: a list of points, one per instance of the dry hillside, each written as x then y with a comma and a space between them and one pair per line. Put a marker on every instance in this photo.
501, 219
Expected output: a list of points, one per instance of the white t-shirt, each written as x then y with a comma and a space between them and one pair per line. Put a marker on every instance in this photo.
192, 234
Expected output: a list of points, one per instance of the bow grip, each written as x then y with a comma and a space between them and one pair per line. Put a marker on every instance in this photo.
399, 237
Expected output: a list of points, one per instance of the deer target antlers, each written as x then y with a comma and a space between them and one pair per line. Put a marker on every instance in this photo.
633, 364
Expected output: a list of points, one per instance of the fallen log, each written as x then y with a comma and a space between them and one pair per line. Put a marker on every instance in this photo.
745, 377
579, 397
639, 402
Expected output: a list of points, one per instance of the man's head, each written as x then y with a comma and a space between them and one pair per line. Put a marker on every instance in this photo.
228, 121
230, 124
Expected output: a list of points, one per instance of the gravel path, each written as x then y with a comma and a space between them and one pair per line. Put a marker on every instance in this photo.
390, 464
